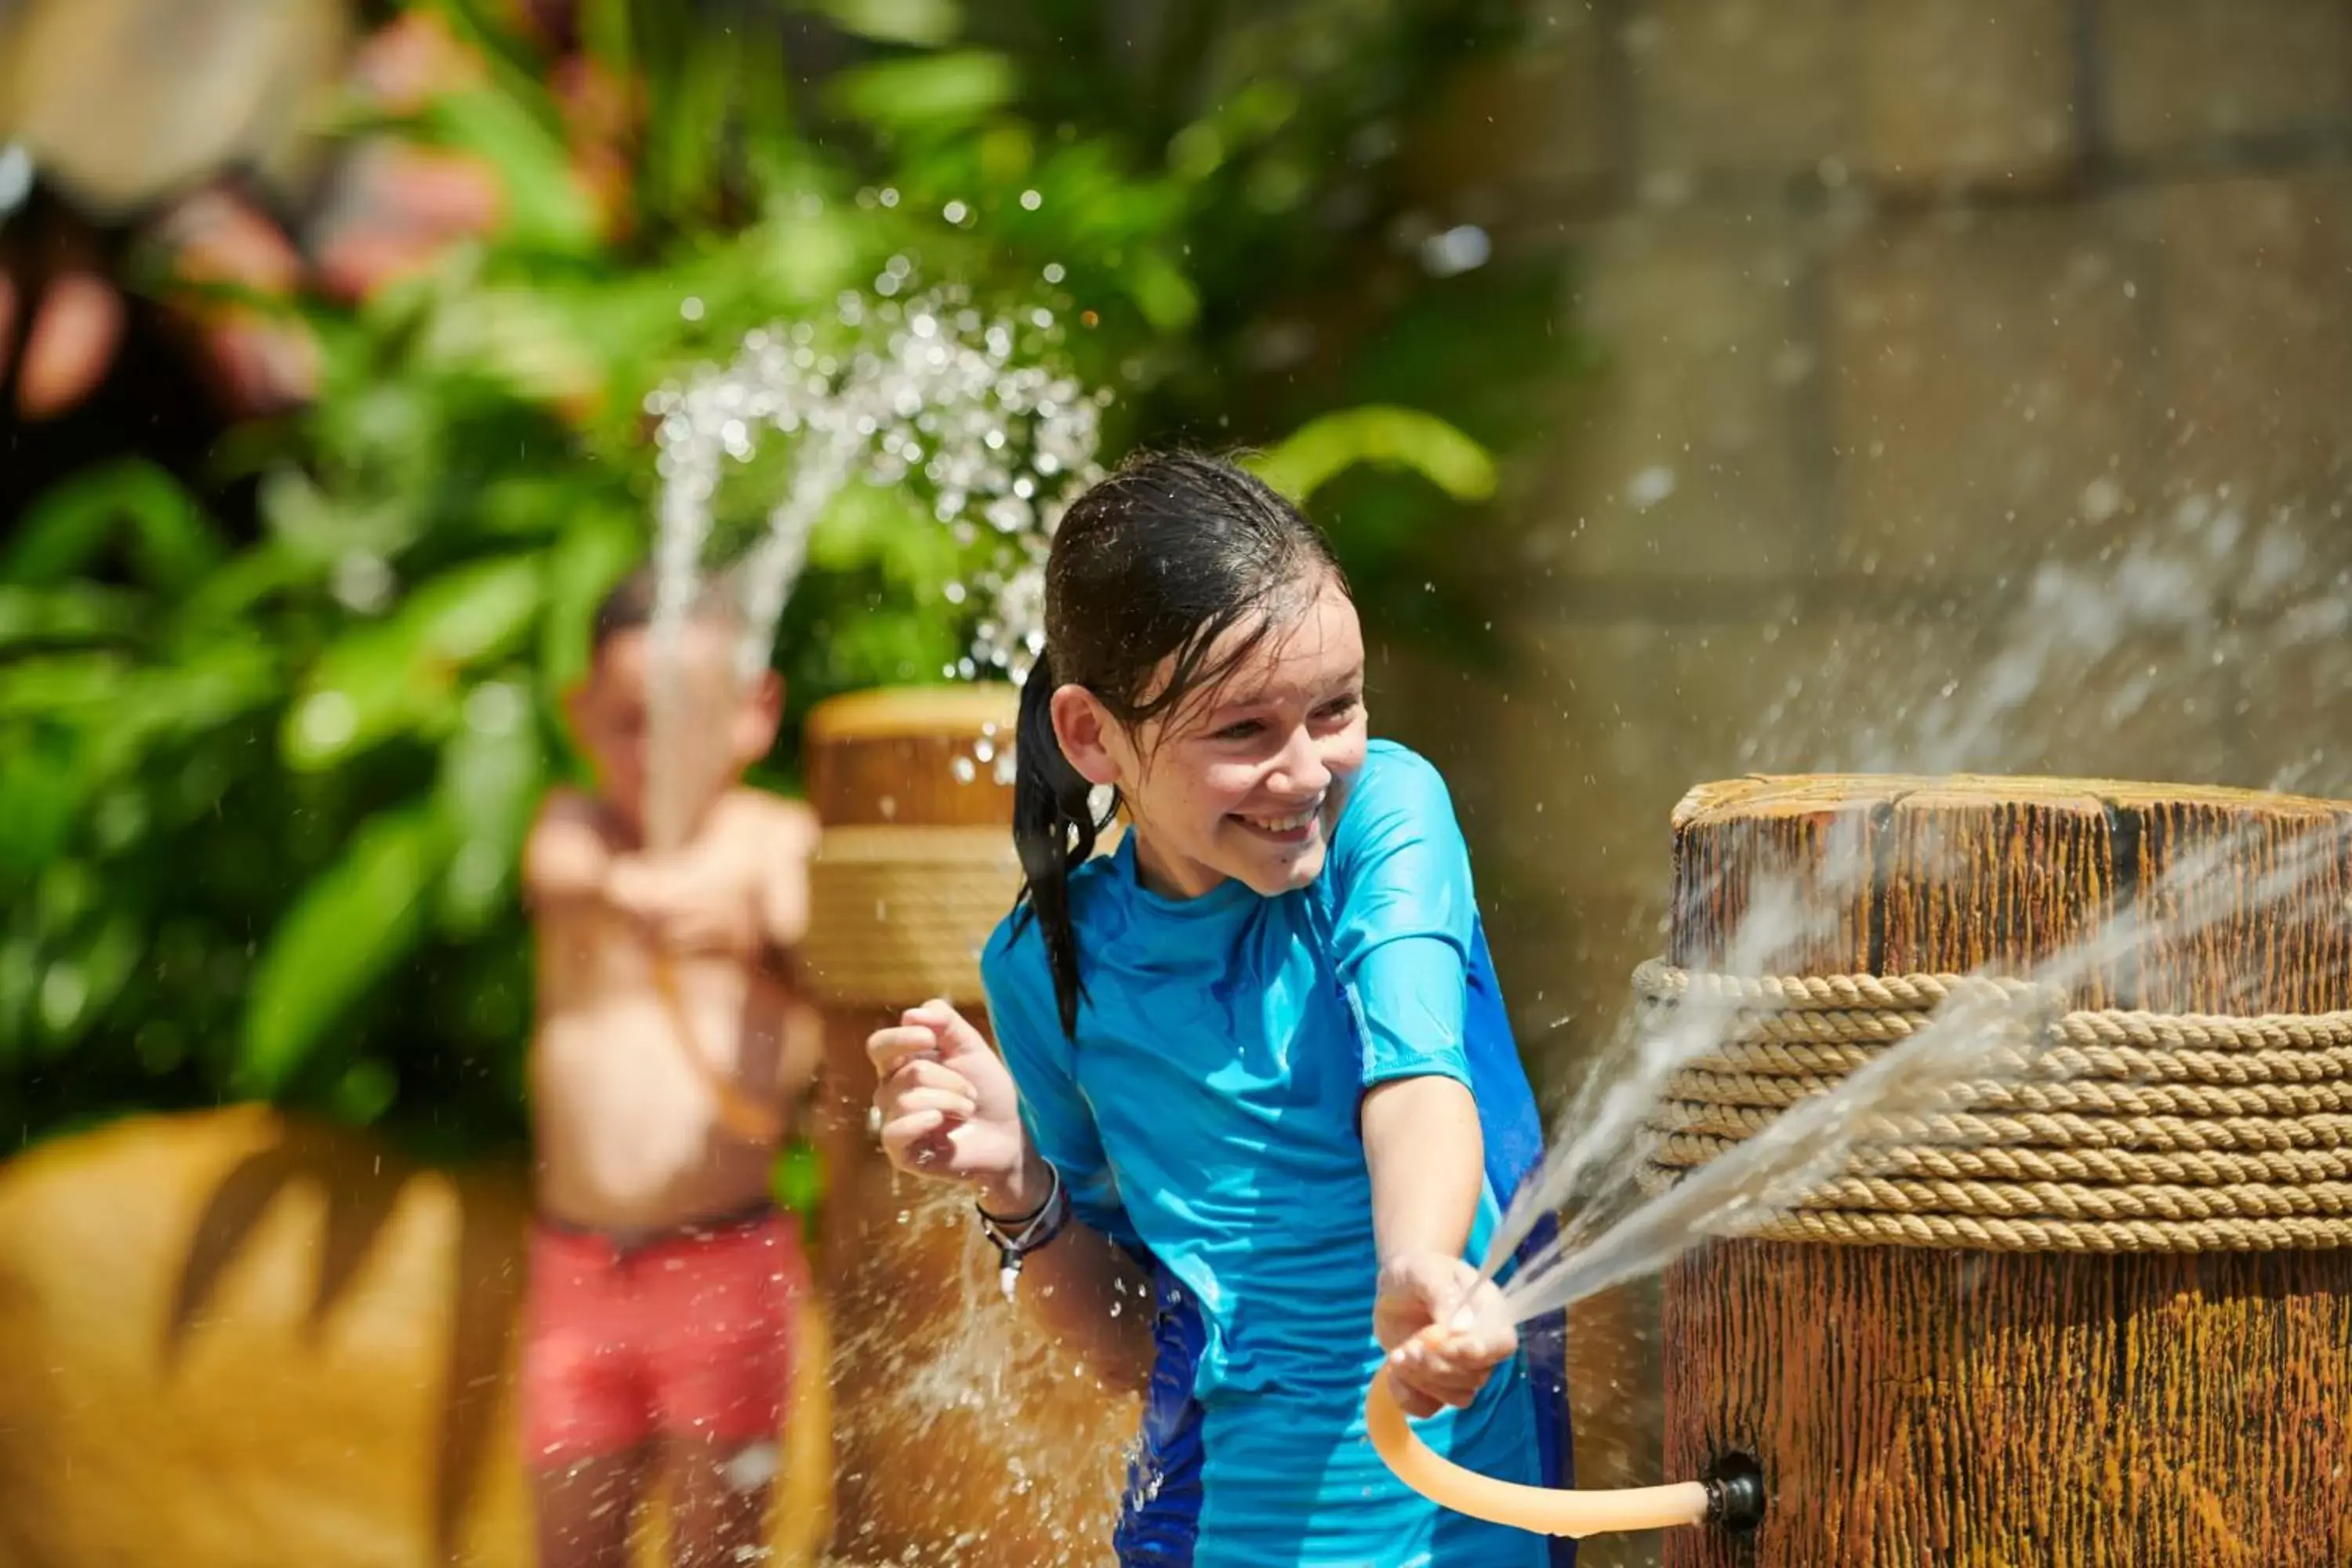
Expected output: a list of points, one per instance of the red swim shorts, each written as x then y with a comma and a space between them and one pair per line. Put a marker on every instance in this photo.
686, 1334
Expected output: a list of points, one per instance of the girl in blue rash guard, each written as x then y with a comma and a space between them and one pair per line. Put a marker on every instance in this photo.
1258, 1063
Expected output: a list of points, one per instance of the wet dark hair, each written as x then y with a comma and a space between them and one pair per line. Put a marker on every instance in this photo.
628, 605
1153, 566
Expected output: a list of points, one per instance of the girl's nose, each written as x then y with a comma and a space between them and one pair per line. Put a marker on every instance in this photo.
1300, 769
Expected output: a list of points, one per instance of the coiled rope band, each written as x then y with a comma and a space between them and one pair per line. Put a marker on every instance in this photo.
898, 915
2107, 1131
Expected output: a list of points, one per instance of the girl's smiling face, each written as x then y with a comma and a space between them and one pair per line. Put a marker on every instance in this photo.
1244, 782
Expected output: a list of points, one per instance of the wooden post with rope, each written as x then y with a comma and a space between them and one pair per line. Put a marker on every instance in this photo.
957, 1436
2109, 1324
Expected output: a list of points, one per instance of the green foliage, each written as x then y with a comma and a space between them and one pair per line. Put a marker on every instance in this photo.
262, 798
1388, 437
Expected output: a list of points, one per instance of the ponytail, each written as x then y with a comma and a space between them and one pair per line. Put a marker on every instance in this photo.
1054, 832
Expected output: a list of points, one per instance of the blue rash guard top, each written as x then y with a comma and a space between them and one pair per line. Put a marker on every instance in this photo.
1205, 1119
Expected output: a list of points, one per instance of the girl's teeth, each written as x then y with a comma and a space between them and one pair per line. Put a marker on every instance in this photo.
1282, 823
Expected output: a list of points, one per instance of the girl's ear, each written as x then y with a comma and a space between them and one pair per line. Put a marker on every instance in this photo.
1085, 728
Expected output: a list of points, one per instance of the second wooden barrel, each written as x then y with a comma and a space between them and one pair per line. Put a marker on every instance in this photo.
960, 1438
1957, 1403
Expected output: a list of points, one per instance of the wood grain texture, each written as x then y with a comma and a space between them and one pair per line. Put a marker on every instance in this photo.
1913, 1406
958, 1438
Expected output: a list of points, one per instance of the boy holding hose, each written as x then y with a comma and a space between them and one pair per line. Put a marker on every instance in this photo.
670, 1045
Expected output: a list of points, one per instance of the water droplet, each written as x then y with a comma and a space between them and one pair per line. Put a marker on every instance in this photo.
1650, 487
1457, 250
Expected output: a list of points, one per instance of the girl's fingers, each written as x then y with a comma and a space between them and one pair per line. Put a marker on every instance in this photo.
1434, 1386
954, 1030
921, 1072
901, 1133
1411, 1397
889, 1050
1451, 1365
946, 1102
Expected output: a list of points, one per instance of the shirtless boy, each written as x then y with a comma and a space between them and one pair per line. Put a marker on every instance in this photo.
669, 1049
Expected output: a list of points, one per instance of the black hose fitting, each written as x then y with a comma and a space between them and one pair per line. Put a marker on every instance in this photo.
1735, 1493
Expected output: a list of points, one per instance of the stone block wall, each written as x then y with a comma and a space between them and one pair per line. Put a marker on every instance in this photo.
1975, 393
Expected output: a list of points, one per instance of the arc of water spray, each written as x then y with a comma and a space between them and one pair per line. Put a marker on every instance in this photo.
944, 393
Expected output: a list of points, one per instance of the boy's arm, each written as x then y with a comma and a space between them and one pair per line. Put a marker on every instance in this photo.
783, 908
705, 903
565, 858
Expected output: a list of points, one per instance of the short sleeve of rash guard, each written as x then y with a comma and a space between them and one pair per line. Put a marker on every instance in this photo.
1404, 919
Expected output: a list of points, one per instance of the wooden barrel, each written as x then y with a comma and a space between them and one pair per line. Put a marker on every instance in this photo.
1913, 1405
960, 1438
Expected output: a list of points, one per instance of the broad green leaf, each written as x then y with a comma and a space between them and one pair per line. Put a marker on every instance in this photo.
372, 683
690, 78
1006, 153
173, 543
926, 91
82, 981
546, 210
533, 503
1161, 291
1390, 438
516, 337
66, 684
20, 977
63, 533
608, 34
66, 612
364, 1092
355, 920
41, 795
321, 531
212, 687
516, 67
66, 889
394, 675
493, 771
927, 23
597, 552
229, 595
885, 525
802, 257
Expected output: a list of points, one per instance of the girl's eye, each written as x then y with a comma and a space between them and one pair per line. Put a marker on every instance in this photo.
1244, 731
1340, 709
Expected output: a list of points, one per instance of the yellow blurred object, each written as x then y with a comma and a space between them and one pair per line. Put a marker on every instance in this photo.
122, 103
235, 1337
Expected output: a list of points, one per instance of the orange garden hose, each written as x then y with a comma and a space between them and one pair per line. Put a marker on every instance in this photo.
738, 1113
1544, 1510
